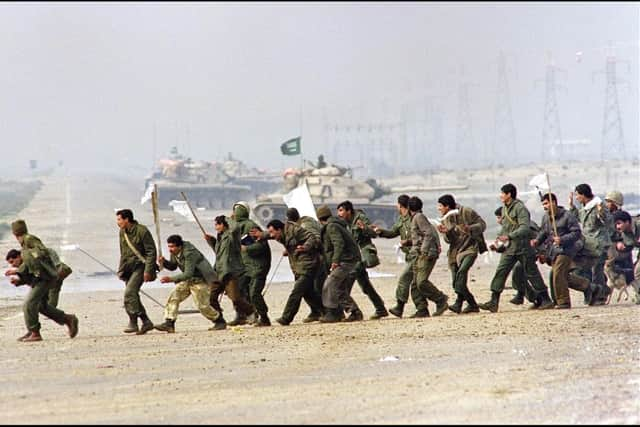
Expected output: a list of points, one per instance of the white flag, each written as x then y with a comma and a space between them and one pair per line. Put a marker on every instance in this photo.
541, 182
147, 194
181, 207
300, 198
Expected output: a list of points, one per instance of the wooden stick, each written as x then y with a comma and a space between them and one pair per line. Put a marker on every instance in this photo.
552, 213
192, 212
156, 217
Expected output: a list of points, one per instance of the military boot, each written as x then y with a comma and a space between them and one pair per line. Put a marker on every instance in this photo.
32, 337
240, 319
456, 307
492, 304
424, 312
263, 320
472, 305
72, 324
332, 316
442, 306
133, 324
283, 321
312, 317
355, 316
219, 324
380, 313
518, 299
168, 326
589, 293
602, 295
397, 309
252, 318
147, 325
545, 302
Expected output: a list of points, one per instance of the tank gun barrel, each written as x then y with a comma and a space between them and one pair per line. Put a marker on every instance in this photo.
424, 188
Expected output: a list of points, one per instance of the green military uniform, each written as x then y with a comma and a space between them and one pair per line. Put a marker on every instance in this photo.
310, 224
464, 248
256, 259
341, 249
196, 279
132, 268
519, 280
516, 225
631, 240
596, 228
402, 228
426, 249
63, 272
369, 259
305, 267
228, 268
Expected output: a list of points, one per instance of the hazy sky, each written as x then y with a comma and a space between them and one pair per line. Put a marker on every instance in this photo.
88, 82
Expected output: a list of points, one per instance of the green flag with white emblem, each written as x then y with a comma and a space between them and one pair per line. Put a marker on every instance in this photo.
291, 147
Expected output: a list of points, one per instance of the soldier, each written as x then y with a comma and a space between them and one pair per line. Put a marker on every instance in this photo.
228, 269
426, 249
256, 257
463, 231
313, 226
33, 266
137, 265
562, 239
302, 248
402, 228
630, 238
359, 226
341, 254
595, 221
196, 280
613, 200
515, 235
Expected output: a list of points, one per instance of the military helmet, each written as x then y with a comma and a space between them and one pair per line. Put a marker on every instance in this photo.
615, 197
19, 227
243, 204
323, 212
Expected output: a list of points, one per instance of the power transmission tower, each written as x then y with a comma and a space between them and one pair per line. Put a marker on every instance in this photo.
551, 134
612, 140
503, 128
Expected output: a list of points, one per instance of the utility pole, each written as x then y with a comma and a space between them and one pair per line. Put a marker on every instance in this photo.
612, 139
503, 128
551, 134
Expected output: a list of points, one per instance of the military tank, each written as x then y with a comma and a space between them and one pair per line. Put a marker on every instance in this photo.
206, 184
331, 185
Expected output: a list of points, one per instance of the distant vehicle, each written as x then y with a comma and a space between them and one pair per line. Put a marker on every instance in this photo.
333, 184
214, 185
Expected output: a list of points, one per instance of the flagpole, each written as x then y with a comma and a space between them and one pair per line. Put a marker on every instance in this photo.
301, 158
552, 213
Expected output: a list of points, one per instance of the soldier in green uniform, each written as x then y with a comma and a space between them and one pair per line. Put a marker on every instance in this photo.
313, 226
137, 265
426, 249
462, 229
196, 280
256, 257
38, 271
341, 254
302, 248
402, 228
228, 268
515, 234
596, 223
359, 226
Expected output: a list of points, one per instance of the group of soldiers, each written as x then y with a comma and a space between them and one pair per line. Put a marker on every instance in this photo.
586, 247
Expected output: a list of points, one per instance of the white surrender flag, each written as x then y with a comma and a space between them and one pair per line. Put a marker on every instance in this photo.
300, 198
147, 194
541, 182
180, 206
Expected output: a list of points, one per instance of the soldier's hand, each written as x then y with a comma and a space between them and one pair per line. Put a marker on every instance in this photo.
15, 280
334, 265
160, 260
361, 225
300, 248
442, 228
571, 199
533, 243
620, 246
556, 241
376, 229
11, 272
208, 237
165, 279
503, 238
255, 233
285, 253
147, 277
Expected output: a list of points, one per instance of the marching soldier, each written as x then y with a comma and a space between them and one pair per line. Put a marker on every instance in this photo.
426, 249
630, 239
515, 234
137, 265
359, 226
463, 231
196, 280
402, 228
